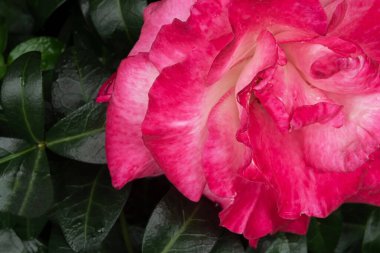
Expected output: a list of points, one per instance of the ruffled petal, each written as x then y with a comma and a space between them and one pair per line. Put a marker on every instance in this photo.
369, 192
126, 154
305, 15
223, 155
180, 100
106, 90
158, 14
282, 159
254, 213
334, 65
357, 21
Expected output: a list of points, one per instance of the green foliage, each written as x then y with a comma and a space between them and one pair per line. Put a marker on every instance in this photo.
178, 225
56, 195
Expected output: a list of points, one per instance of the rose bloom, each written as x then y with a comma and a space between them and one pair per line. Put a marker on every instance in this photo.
269, 107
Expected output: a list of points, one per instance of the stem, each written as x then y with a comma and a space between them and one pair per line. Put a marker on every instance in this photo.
125, 232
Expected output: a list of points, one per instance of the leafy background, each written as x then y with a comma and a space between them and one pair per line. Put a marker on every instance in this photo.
55, 191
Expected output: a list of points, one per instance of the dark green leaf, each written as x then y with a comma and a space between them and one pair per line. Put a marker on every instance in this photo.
228, 243
3, 35
323, 234
3, 67
179, 225
351, 238
79, 78
22, 97
10, 242
285, 243
42, 9
6, 220
371, 241
57, 243
80, 135
16, 16
25, 183
87, 216
28, 229
117, 21
50, 49
34, 246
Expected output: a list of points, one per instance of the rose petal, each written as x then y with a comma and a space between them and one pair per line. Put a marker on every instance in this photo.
158, 14
281, 156
357, 21
223, 155
106, 90
180, 100
126, 154
254, 213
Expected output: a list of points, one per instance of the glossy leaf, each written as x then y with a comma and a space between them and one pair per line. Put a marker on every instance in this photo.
34, 246
371, 240
117, 21
179, 225
80, 135
57, 242
22, 97
285, 243
42, 9
28, 229
87, 216
16, 16
10, 242
50, 49
79, 78
3, 34
25, 183
351, 238
323, 234
3, 67
228, 243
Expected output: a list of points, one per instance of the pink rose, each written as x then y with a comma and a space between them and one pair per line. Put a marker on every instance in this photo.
269, 107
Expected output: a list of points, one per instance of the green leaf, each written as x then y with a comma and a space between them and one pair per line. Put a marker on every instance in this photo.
3, 67
371, 240
34, 246
285, 243
25, 183
50, 49
87, 216
22, 97
228, 243
351, 238
57, 243
10, 242
42, 9
3, 35
118, 21
16, 16
28, 229
323, 234
79, 78
178, 225
80, 135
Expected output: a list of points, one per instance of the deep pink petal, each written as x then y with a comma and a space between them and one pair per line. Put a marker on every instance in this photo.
319, 113
357, 21
223, 155
301, 189
334, 65
306, 15
158, 14
126, 154
254, 213
106, 90
180, 100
